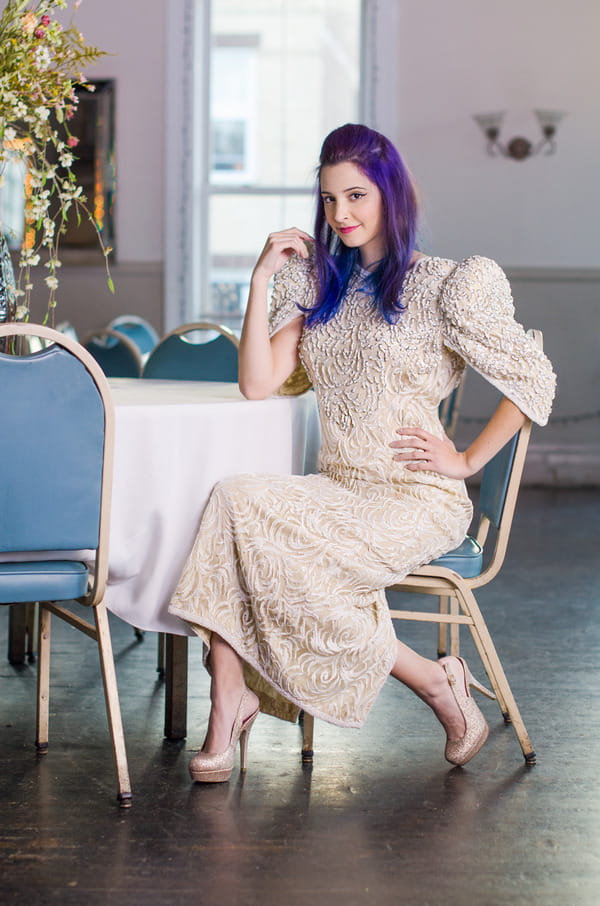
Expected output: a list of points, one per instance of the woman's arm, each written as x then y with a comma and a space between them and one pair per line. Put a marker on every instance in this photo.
428, 452
265, 363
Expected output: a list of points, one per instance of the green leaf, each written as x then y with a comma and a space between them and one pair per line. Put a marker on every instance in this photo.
111, 285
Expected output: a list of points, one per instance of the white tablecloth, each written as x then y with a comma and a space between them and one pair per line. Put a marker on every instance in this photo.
173, 441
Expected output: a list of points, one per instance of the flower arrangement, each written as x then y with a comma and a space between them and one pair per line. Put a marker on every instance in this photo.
41, 63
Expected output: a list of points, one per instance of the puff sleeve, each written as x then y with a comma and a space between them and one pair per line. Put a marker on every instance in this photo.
294, 285
479, 325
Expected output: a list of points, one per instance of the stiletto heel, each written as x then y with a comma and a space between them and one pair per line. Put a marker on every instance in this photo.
459, 751
206, 767
244, 748
475, 684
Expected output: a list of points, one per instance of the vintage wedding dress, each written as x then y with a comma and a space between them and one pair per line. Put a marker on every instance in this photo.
291, 570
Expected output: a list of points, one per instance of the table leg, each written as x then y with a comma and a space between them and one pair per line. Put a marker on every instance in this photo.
176, 651
17, 633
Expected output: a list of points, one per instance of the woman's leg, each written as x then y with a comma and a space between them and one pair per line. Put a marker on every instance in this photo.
226, 688
428, 680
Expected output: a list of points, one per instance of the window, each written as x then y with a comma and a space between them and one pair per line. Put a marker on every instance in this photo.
257, 87
282, 74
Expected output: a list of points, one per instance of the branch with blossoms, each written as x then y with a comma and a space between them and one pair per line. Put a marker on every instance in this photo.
41, 67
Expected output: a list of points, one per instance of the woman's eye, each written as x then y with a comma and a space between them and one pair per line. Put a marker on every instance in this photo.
356, 195
327, 199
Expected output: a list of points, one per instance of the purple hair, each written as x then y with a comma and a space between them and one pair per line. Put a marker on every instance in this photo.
379, 160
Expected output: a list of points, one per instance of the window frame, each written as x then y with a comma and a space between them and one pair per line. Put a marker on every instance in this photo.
188, 189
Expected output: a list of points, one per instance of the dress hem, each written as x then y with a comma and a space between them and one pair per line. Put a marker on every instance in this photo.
302, 706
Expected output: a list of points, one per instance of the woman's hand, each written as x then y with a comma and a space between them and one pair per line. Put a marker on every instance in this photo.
279, 247
431, 453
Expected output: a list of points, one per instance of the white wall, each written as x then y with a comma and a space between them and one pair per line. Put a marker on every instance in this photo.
132, 31
455, 59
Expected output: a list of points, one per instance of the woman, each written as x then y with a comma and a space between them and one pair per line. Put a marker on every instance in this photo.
285, 583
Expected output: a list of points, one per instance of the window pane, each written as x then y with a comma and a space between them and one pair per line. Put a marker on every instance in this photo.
239, 227
283, 74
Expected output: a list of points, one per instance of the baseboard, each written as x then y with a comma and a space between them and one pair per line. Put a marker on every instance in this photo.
561, 466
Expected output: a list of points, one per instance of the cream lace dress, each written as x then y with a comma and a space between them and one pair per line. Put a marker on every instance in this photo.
291, 570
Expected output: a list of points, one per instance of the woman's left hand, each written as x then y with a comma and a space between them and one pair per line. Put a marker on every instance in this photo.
423, 451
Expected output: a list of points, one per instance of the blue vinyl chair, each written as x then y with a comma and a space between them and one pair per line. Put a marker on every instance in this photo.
117, 354
69, 331
182, 356
140, 331
56, 446
452, 578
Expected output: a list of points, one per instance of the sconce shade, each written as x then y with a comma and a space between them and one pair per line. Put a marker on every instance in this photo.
548, 120
519, 148
489, 123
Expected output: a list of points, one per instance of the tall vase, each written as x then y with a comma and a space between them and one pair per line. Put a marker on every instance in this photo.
7, 287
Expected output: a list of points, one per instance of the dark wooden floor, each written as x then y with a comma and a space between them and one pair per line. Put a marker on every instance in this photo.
379, 819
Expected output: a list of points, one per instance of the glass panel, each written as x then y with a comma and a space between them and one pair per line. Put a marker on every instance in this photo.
283, 74
12, 197
240, 225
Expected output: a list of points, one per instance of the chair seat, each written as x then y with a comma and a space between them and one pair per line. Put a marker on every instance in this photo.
42, 580
466, 559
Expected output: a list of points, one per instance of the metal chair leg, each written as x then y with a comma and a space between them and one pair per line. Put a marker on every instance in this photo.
443, 628
43, 680
113, 708
491, 661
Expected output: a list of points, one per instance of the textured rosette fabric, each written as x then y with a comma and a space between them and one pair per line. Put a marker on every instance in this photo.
291, 570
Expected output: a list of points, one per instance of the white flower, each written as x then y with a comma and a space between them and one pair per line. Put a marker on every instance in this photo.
42, 58
29, 258
9, 134
51, 282
42, 113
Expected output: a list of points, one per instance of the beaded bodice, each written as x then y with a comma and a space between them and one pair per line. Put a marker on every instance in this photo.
372, 377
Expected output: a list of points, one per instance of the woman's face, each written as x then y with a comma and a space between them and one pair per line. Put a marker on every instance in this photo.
354, 210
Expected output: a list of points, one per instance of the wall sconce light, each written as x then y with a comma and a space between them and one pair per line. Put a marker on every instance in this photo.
519, 148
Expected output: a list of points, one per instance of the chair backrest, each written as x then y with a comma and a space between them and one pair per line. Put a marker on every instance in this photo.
56, 443
140, 331
178, 357
495, 482
67, 328
500, 484
117, 354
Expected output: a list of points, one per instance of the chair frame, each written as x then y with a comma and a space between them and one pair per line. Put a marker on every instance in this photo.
100, 630
126, 341
458, 605
202, 325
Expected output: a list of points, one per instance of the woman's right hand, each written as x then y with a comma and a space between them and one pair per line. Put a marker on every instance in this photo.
278, 248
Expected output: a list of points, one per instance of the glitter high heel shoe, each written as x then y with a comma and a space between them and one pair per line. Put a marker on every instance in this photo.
459, 751
206, 767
